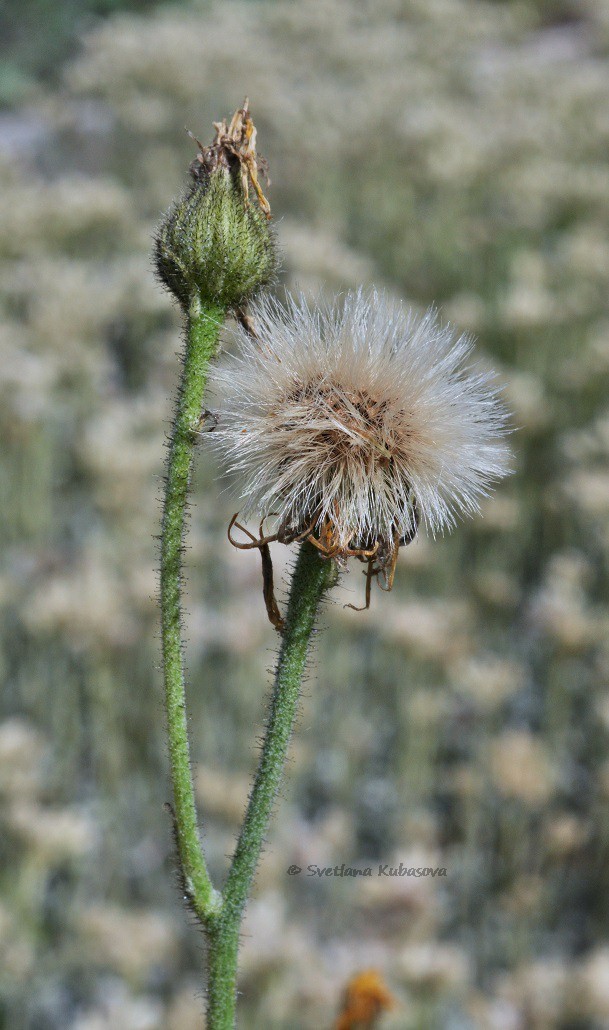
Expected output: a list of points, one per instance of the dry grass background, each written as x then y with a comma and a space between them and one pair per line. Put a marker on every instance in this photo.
449, 150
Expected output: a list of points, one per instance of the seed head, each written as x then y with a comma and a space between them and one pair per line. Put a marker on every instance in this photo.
358, 420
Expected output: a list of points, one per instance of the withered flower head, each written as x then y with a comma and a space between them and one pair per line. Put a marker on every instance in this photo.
353, 423
216, 242
365, 998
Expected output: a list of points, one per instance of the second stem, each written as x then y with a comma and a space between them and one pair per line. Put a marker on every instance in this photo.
313, 576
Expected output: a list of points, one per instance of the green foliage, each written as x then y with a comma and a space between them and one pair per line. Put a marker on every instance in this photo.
38, 36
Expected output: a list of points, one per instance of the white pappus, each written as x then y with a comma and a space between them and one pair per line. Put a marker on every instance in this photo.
358, 420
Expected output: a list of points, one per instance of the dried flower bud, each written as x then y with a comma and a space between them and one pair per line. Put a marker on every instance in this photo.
365, 999
216, 242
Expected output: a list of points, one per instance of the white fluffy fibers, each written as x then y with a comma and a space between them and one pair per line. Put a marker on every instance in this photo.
359, 415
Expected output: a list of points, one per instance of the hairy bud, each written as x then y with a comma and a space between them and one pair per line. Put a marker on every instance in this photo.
216, 242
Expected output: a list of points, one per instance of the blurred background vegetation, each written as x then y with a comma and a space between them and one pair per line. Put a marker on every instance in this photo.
450, 151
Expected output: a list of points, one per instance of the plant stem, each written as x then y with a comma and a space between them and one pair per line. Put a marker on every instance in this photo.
221, 914
204, 323
312, 577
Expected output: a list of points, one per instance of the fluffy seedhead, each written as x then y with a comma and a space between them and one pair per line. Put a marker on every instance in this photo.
216, 242
354, 423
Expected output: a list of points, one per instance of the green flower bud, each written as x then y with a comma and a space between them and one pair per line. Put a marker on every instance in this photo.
216, 242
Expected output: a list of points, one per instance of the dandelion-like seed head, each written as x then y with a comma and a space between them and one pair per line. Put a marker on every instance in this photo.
353, 423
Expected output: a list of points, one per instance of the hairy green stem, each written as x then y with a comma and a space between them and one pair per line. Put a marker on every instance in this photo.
221, 914
313, 575
204, 323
